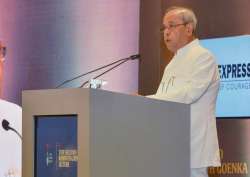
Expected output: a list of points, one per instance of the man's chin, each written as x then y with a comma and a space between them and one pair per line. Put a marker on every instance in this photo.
170, 48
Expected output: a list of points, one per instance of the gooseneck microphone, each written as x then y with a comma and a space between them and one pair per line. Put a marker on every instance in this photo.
5, 125
132, 57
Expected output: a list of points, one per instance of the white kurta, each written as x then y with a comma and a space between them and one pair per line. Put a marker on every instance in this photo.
192, 77
10, 148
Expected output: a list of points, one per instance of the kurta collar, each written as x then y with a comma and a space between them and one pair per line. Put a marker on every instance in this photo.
183, 50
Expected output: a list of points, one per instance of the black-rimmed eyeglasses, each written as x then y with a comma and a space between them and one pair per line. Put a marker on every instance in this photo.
172, 26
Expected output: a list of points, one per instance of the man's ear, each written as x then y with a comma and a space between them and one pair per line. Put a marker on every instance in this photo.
189, 29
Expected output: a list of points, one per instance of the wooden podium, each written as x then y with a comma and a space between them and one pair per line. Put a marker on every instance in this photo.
118, 135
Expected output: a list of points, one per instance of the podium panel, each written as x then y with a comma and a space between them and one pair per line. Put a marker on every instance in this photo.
97, 133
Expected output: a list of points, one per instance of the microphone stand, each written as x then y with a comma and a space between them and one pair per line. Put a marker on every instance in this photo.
133, 57
99, 68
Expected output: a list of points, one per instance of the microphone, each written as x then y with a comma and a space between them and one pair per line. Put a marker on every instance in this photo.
5, 125
132, 57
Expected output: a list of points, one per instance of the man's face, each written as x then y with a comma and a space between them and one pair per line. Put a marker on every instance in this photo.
176, 32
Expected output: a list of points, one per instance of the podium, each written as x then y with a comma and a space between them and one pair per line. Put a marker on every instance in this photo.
116, 135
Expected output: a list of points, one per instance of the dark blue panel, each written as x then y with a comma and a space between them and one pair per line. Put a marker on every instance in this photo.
56, 146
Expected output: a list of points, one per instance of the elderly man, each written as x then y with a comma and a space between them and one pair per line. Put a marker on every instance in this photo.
192, 77
10, 149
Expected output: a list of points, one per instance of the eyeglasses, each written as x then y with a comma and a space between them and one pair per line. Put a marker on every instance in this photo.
172, 26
